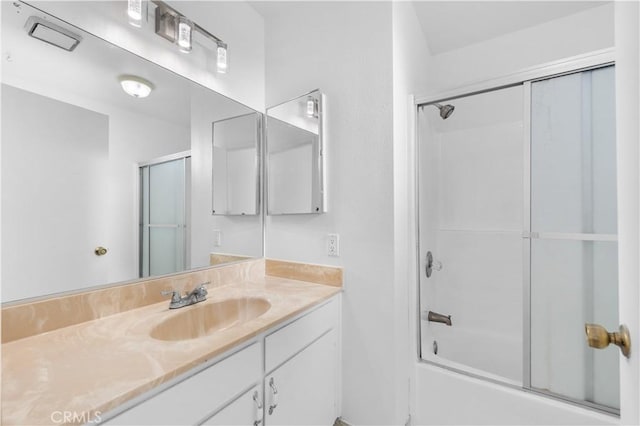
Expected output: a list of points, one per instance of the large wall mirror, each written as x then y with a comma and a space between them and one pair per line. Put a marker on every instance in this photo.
295, 156
99, 186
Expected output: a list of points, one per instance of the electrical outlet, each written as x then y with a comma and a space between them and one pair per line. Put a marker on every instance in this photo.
333, 246
217, 238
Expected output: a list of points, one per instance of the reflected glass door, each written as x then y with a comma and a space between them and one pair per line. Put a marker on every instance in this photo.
573, 244
164, 201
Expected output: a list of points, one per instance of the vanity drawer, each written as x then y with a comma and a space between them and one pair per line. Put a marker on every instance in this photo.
289, 340
197, 397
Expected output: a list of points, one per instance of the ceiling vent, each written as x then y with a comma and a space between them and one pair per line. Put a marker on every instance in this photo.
52, 33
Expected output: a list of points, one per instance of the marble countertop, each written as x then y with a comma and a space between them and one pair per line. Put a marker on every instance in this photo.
97, 365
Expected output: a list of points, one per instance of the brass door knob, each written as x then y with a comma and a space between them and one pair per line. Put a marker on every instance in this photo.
100, 251
598, 337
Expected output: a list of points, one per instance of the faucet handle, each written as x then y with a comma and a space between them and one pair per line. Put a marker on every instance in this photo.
202, 288
175, 296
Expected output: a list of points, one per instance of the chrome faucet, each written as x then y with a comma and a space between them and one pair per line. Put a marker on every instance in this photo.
198, 294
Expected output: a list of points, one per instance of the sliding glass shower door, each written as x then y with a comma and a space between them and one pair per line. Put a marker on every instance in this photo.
518, 235
163, 214
471, 201
573, 235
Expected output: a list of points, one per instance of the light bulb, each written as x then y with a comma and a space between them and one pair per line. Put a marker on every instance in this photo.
185, 29
221, 58
134, 11
311, 107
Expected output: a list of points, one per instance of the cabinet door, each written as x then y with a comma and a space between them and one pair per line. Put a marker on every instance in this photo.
303, 390
247, 410
195, 398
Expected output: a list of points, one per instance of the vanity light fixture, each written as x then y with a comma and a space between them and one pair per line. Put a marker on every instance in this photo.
185, 34
221, 58
135, 12
135, 86
178, 29
312, 107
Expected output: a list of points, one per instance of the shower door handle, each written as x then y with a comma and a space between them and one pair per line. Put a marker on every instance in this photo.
598, 337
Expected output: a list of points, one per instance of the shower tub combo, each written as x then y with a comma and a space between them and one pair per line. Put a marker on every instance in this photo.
517, 246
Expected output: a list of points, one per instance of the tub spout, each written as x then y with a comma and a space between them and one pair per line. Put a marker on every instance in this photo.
436, 317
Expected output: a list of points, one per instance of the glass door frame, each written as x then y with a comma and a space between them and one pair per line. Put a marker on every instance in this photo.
184, 155
590, 61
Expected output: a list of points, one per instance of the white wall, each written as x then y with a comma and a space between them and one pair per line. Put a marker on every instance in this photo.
411, 74
240, 234
345, 50
564, 37
239, 25
133, 138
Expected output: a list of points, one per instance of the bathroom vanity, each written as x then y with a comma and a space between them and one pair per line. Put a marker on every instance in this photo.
288, 375
271, 356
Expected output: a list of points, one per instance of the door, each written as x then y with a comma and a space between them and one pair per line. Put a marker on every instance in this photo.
246, 410
69, 145
580, 195
627, 19
573, 236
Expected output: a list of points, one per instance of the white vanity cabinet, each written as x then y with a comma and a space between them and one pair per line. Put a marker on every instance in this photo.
301, 385
303, 390
196, 398
287, 376
245, 410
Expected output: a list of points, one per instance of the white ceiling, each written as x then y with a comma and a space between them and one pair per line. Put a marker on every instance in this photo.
449, 25
452, 24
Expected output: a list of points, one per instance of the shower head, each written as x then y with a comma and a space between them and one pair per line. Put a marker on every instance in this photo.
445, 110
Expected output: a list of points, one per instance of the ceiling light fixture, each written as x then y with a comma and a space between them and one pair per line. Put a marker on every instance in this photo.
178, 29
135, 86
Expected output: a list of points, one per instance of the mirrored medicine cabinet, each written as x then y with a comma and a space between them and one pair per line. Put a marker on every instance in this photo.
236, 159
295, 157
